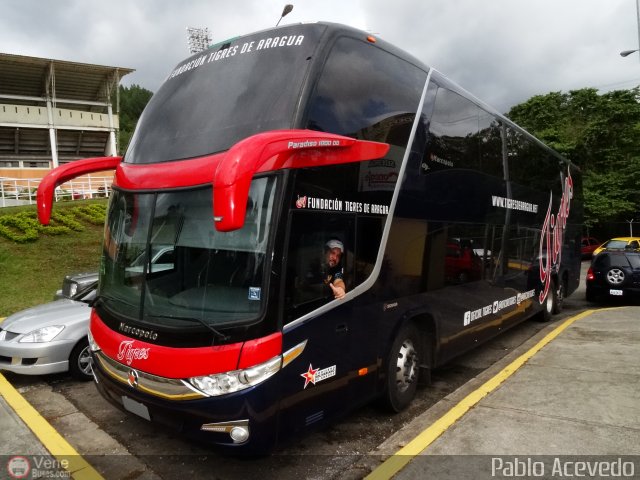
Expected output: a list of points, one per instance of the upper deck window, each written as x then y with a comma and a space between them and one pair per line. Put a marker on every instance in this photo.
367, 93
222, 95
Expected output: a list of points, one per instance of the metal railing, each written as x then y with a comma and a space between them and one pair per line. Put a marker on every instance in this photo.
22, 191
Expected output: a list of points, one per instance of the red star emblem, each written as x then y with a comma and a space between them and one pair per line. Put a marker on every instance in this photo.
309, 376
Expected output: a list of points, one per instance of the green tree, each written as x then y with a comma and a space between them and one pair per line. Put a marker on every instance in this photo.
600, 134
133, 99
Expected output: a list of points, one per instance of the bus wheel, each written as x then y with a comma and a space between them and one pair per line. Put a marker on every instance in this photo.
403, 368
560, 293
550, 303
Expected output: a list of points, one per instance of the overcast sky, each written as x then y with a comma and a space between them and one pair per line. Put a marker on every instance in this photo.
503, 51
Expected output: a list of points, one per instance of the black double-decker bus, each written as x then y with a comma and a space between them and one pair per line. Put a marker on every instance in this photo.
335, 219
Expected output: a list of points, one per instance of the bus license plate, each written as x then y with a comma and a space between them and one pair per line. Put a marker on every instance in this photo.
615, 293
136, 407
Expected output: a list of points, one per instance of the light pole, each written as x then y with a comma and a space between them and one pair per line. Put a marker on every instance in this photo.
638, 20
287, 10
629, 52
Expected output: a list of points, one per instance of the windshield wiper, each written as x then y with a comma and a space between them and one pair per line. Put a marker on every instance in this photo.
101, 299
216, 333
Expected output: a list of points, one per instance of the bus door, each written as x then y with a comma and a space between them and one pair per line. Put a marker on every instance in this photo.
320, 255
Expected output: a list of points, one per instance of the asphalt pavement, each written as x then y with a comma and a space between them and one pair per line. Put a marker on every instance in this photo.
565, 404
30, 447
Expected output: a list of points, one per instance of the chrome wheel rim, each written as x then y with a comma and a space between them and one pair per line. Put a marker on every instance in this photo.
560, 293
406, 365
84, 361
615, 276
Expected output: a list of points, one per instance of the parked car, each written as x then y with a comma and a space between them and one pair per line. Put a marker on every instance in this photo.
588, 246
75, 282
461, 263
614, 275
477, 248
619, 243
49, 338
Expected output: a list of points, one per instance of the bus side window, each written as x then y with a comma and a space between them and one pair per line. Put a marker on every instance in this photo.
460, 172
368, 236
308, 270
404, 257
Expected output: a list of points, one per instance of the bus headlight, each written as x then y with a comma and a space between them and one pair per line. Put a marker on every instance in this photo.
93, 346
229, 382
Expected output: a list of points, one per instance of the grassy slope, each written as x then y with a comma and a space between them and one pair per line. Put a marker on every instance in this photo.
31, 273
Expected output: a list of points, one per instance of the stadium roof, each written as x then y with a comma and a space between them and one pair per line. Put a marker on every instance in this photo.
28, 76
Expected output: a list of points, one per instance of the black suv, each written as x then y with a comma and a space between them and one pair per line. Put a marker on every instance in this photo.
614, 274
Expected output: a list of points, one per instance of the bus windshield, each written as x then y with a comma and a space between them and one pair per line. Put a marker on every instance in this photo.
227, 93
164, 263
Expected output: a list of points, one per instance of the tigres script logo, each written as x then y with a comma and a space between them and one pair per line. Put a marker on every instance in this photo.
552, 237
127, 353
301, 202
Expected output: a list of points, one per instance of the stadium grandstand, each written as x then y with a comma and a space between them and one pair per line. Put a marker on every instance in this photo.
54, 112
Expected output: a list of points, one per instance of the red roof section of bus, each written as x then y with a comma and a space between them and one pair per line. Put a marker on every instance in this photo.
276, 150
64, 173
229, 172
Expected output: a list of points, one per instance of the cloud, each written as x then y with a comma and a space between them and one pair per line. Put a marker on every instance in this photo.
503, 51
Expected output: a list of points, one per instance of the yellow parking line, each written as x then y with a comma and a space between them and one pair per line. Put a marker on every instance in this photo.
402, 457
68, 457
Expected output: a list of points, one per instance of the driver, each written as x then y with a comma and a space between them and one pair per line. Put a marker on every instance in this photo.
333, 271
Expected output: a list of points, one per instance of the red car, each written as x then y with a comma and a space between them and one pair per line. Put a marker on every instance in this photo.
589, 244
462, 264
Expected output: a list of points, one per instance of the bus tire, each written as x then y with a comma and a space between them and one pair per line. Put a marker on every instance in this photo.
561, 289
550, 305
403, 368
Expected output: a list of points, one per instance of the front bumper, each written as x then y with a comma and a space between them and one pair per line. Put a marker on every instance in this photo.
209, 419
35, 358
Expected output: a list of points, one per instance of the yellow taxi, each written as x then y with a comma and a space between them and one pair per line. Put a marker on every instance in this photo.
619, 243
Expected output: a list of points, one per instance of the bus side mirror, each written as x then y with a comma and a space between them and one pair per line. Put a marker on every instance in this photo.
64, 173
276, 150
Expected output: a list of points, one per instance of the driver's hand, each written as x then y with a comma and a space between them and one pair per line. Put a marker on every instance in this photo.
338, 292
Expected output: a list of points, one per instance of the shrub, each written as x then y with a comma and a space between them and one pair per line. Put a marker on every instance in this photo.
23, 227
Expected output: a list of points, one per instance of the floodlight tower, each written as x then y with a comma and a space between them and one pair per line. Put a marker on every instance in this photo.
198, 39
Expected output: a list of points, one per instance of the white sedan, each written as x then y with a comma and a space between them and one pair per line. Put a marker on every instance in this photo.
49, 338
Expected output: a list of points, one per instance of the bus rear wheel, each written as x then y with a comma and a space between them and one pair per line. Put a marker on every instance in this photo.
561, 288
403, 368
551, 305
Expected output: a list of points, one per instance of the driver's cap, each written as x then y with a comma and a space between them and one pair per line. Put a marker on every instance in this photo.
334, 243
